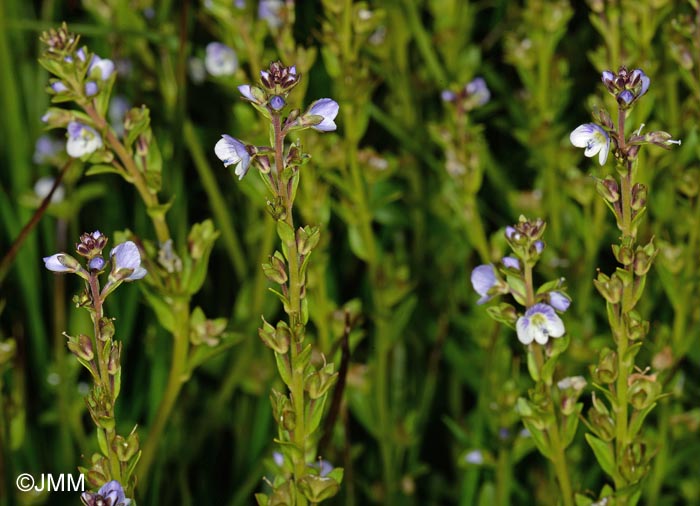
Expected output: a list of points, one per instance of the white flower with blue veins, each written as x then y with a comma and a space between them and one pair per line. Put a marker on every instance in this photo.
233, 152
220, 60
539, 323
126, 262
594, 139
82, 140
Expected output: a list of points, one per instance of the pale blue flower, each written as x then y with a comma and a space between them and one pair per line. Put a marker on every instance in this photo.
118, 107
43, 186
326, 108
594, 139
511, 263
270, 11
277, 103
196, 69
46, 148
126, 262
539, 323
91, 88
559, 301
233, 152
100, 67
61, 262
59, 87
82, 140
247, 93
110, 494
220, 60
483, 278
475, 457
478, 91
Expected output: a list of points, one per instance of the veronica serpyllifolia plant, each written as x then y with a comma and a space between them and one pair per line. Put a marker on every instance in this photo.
297, 412
100, 354
616, 417
550, 413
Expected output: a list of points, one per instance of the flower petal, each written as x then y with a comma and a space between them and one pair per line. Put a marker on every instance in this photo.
524, 330
226, 150
483, 278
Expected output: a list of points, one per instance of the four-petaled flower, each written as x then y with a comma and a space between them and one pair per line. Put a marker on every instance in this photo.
594, 139
110, 494
126, 262
221, 60
539, 323
327, 109
82, 140
233, 152
483, 279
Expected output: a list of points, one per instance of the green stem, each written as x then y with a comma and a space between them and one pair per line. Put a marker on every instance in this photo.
558, 457
503, 477
295, 317
176, 379
149, 198
104, 380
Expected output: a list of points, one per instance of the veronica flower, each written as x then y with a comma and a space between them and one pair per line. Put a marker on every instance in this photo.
328, 110
277, 103
474, 457
82, 140
104, 65
220, 60
196, 69
46, 148
539, 323
269, 10
127, 258
478, 91
43, 186
61, 262
118, 107
559, 301
59, 87
126, 262
483, 278
511, 263
233, 152
247, 93
594, 139
110, 494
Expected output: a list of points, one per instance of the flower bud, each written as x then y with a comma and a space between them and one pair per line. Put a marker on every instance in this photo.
318, 383
602, 424
275, 270
623, 254
81, 347
639, 196
317, 488
609, 287
606, 370
608, 189
114, 356
643, 390
307, 239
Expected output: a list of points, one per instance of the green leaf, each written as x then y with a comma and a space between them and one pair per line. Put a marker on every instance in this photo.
285, 232
638, 419
284, 369
102, 441
603, 453
162, 310
539, 438
103, 168
316, 413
